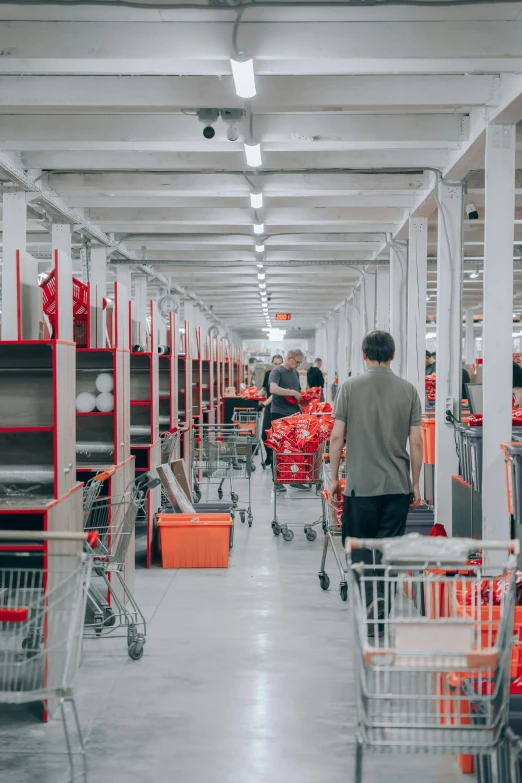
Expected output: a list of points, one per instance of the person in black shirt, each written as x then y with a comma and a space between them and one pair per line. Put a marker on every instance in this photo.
277, 359
314, 375
517, 383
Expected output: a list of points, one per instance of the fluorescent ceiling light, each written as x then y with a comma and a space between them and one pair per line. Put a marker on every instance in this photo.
428, 298
262, 285
244, 78
474, 274
256, 200
261, 275
260, 249
253, 153
259, 228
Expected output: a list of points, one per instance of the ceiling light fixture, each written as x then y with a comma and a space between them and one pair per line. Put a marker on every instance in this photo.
260, 249
244, 77
261, 275
262, 285
259, 228
253, 153
474, 274
256, 200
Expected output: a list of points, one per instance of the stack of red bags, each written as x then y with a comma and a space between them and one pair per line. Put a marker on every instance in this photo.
492, 591
431, 386
319, 407
477, 419
299, 433
306, 396
250, 393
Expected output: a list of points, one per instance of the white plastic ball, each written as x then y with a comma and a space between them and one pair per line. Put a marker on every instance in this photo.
85, 402
105, 402
105, 382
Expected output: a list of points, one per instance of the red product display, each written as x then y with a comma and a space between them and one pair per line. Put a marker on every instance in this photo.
299, 433
250, 393
306, 396
319, 407
477, 419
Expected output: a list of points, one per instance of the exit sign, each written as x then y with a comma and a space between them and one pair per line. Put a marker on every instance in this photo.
282, 316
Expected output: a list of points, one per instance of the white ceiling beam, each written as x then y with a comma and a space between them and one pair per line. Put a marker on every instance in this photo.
283, 48
243, 217
233, 161
291, 93
197, 184
294, 132
90, 201
162, 228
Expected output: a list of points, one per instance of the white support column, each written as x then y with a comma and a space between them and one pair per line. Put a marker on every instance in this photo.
383, 299
61, 238
139, 309
449, 375
398, 304
98, 286
497, 338
14, 238
356, 332
370, 303
416, 325
188, 315
470, 339
161, 325
348, 316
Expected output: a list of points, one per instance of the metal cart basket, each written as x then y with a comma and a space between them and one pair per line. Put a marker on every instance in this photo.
297, 467
112, 609
249, 421
220, 454
42, 604
432, 681
332, 528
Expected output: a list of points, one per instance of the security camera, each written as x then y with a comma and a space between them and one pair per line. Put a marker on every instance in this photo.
232, 133
471, 211
208, 117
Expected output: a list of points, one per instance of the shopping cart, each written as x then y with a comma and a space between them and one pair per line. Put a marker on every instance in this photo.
249, 421
112, 609
301, 468
42, 604
220, 453
432, 675
170, 441
332, 528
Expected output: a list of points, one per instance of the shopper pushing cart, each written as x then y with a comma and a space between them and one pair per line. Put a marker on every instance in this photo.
379, 413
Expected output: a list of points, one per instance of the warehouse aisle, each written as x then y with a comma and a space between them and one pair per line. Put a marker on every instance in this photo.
246, 677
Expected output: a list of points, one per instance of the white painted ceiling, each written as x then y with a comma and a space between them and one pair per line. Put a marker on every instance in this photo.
100, 103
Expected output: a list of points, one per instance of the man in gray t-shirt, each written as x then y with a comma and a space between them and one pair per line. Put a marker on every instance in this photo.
379, 412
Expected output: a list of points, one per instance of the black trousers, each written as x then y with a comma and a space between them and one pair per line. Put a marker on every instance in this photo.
381, 516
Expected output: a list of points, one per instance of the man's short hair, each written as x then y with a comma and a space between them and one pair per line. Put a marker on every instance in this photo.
378, 346
276, 356
297, 353
318, 360
428, 355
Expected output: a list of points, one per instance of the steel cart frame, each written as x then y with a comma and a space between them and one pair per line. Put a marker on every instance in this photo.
114, 609
297, 466
220, 453
433, 679
332, 528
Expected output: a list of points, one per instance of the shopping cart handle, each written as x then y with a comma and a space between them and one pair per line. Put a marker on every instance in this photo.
14, 615
92, 538
147, 481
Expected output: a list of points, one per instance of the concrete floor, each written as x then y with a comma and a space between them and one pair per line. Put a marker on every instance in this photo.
246, 678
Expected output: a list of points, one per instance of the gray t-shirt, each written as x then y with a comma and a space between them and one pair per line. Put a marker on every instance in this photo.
286, 379
378, 409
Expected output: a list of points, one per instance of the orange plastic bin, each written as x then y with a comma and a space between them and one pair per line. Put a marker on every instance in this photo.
428, 434
194, 540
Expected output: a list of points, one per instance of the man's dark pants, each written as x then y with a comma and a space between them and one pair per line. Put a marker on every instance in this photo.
381, 516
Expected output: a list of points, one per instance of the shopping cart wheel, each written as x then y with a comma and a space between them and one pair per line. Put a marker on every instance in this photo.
110, 618
288, 534
324, 581
220, 493
343, 591
135, 651
197, 494
242, 516
250, 519
275, 528
234, 497
311, 535
252, 467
